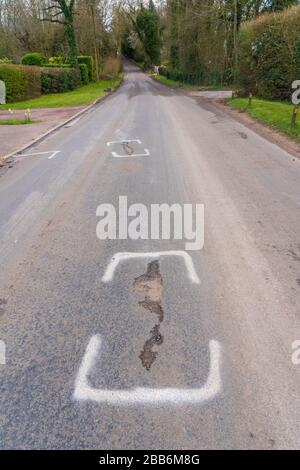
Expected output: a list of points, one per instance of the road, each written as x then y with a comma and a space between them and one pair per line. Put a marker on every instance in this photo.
223, 377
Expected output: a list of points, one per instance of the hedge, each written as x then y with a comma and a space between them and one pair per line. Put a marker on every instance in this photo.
59, 80
22, 82
180, 76
269, 54
89, 62
33, 58
57, 60
84, 74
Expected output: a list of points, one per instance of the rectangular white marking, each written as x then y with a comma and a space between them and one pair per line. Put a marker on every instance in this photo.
175, 396
119, 257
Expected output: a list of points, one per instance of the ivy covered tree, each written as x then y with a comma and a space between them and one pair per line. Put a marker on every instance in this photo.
62, 12
147, 24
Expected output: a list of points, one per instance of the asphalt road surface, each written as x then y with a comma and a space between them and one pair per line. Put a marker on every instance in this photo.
223, 375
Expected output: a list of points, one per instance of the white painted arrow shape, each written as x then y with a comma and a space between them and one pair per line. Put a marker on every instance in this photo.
120, 257
52, 153
173, 396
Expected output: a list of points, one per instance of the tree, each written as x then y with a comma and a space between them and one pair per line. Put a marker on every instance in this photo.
148, 28
65, 9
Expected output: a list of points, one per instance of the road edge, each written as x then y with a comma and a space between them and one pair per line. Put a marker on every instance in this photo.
273, 136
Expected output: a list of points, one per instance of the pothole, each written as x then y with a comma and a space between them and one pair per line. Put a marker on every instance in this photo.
128, 149
151, 284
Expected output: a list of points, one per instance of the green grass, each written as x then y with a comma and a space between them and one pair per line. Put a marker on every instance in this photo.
175, 84
276, 114
16, 122
81, 96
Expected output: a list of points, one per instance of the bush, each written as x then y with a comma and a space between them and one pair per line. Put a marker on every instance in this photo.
57, 60
33, 58
5, 60
57, 66
269, 54
84, 74
59, 80
180, 76
21, 82
89, 62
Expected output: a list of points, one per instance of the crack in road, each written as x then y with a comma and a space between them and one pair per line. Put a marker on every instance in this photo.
151, 284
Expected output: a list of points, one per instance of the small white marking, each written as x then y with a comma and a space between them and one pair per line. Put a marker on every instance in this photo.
52, 154
122, 142
119, 257
2, 353
145, 154
84, 392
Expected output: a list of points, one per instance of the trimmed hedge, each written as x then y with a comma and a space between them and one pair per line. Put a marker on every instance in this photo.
59, 80
180, 76
57, 60
84, 74
22, 82
269, 54
89, 62
33, 58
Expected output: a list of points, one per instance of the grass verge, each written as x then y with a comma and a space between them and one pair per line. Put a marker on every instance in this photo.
80, 97
16, 122
276, 114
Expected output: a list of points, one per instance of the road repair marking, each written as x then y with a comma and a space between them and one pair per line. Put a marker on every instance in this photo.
120, 257
128, 148
52, 154
121, 142
145, 154
2, 353
175, 396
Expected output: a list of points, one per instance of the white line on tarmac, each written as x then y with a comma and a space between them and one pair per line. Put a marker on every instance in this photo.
54, 155
174, 396
122, 142
146, 154
120, 257
35, 154
2, 353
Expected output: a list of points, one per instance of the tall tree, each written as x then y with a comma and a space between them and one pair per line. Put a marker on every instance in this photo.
62, 12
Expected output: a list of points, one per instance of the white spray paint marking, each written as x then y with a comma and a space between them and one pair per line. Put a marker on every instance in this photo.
53, 155
120, 257
2, 353
146, 152
35, 154
122, 142
174, 396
